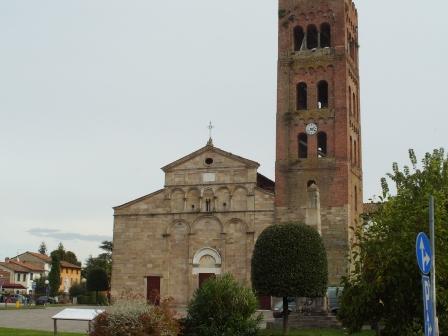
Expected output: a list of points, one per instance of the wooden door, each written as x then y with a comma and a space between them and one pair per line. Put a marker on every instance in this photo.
153, 289
203, 277
264, 302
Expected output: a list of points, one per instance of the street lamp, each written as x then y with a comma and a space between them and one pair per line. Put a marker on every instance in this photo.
84, 280
36, 278
47, 288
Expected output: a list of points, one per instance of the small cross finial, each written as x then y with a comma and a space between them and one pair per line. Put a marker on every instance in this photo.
210, 127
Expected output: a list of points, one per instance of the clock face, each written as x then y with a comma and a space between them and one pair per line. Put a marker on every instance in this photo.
311, 128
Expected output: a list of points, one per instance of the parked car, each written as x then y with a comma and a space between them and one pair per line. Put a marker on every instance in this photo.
18, 297
278, 308
44, 299
333, 294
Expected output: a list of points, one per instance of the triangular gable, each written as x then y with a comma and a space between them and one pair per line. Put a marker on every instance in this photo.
118, 207
212, 149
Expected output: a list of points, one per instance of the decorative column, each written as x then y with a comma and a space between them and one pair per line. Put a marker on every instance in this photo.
312, 215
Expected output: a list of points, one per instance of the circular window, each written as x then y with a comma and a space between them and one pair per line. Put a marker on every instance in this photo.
208, 161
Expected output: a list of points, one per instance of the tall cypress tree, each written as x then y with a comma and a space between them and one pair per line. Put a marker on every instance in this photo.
55, 274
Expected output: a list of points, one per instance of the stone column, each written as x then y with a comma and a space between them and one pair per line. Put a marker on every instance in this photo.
312, 216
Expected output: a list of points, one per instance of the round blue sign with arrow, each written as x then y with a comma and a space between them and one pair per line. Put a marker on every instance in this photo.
423, 251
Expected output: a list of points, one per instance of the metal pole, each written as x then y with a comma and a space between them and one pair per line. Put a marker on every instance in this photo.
433, 264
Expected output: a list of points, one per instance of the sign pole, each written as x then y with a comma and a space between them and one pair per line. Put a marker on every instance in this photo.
433, 264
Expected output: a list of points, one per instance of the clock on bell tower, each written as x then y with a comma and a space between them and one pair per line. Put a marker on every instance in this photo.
318, 132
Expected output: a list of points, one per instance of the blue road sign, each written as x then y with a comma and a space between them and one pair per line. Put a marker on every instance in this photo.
1, 282
427, 306
423, 251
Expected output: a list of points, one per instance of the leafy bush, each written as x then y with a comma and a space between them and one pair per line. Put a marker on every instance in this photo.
75, 289
86, 299
131, 315
289, 259
223, 307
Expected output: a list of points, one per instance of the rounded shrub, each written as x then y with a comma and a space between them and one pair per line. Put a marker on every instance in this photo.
289, 259
223, 307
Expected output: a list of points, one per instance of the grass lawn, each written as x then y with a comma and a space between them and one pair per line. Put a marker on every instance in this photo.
315, 332
28, 332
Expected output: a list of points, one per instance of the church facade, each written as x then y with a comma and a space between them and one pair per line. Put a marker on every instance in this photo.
204, 222
215, 204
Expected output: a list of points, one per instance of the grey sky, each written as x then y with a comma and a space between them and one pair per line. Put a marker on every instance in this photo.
96, 96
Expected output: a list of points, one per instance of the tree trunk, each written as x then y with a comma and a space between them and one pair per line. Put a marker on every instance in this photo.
285, 316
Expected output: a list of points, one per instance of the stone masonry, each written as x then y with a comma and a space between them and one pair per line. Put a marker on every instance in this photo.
205, 221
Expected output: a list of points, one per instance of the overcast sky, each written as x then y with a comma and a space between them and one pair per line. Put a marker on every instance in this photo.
96, 96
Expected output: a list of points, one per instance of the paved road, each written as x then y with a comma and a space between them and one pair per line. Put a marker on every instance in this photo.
41, 319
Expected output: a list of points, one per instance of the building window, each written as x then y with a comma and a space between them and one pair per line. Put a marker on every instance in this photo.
321, 144
303, 145
350, 100
299, 39
356, 199
311, 37
208, 205
302, 96
354, 105
72, 270
18, 277
351, 149
325, 35
66, 270
310, 183
31, 276
322, 94
24, 277
76, 271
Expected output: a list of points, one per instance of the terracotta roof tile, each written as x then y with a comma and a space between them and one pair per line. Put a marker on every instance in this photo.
370, 207
14, 267
27, 265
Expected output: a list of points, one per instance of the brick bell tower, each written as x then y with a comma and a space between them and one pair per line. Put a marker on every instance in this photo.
318, 134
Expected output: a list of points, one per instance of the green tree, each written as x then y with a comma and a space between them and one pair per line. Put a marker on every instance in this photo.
104, 260
40, 285
54, 276
289, 259
76, 289
60, 251
223, 307
71, 258
97, 281
42, 248
385, 280
107, 246
67, 256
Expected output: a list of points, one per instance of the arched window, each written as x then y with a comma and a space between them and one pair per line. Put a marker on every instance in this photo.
352, 49
354, 105
310, 183
350, 100
325, 35
355, 151
299, 39
321, 144
302, 96
303, 145
351, 149
322, 94
356, 199
311, 37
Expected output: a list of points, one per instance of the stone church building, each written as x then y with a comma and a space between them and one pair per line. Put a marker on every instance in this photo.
214, 205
